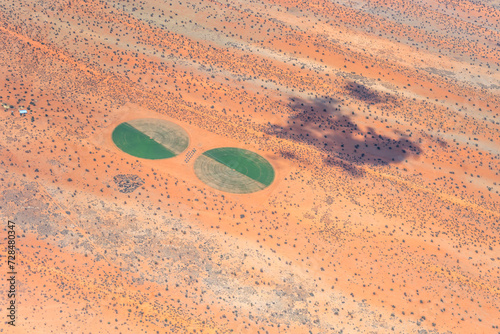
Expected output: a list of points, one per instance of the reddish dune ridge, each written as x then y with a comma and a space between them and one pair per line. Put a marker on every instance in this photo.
381, 120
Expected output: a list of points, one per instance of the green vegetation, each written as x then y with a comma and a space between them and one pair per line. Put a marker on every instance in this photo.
245, 162
136, 143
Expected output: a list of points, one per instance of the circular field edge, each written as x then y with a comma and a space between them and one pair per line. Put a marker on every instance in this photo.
150, 138
234, 170
137, 144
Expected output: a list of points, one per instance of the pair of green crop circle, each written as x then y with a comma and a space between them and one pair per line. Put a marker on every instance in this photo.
228, 169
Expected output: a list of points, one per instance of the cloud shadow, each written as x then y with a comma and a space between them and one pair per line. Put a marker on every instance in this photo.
320, 123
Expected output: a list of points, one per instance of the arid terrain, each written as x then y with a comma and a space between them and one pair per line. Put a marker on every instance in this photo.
380, 118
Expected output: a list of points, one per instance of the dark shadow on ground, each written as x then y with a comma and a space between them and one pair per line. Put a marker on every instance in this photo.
320, 123
362, 93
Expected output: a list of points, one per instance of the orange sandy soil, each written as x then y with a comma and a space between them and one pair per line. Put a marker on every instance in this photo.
381, 119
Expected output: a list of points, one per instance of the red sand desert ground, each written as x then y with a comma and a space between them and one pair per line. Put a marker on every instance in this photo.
381, 119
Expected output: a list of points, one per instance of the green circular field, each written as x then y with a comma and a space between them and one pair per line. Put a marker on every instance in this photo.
234, 170
150, 138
